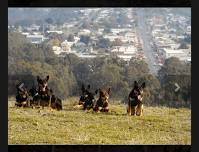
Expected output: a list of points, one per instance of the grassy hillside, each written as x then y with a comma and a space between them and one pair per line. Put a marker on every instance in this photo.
159, 125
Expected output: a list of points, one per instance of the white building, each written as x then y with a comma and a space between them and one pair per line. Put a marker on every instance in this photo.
25, 33
167, 53
57, 50
33, 27
84, 32
66, 46
86, 56
36, 39
125, 57
125, 50
58, 32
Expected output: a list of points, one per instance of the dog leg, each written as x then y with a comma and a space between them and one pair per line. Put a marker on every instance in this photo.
139, 110
133, 111
142, 109
49, 105
129, 110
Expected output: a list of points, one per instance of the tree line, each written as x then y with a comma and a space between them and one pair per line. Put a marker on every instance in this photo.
67, 74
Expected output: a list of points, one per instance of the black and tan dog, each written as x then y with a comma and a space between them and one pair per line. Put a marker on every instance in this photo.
87, 99
56, 103
102, 103
44, 92
36, 99
135, 104
22, 97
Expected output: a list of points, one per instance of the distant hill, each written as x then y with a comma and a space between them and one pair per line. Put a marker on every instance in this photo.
17, 15
61, 15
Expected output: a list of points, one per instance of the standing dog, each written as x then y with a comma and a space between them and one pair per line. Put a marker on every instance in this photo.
135, 104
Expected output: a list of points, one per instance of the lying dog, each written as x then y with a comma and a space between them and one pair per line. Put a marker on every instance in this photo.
102, 103
22, 97
87, 98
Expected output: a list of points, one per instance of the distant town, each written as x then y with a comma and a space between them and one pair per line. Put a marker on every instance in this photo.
125, 32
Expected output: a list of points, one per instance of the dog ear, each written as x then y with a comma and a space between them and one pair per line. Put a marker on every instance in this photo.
38, 79
99, 90
143, 85
109, 91
83, 88
96, 91
51, 91
47, 77
88, 87
135, 84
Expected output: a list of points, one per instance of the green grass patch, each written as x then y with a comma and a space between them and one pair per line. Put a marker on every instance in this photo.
159, 125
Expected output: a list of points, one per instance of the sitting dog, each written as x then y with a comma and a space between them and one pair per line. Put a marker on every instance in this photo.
102, 103
44, 92
56, 103
135, 105
43, 95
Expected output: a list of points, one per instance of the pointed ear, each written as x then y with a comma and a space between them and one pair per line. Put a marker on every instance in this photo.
99, 90
38, 79
51, 91
96, 91
143, 85
109, 91
83, 88
47, 78
135, 84
88, 87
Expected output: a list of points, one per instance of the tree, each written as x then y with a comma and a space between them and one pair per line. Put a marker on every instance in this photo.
176, 72
71, 38
122, 19
85, 39
117, 42
85, 25
49, 20
104, 43
183, 45
107, 30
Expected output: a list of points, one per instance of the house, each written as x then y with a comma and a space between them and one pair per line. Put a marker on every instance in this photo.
189, 28
86, 56
66, 46
25, 33
125, 52
35, 39
58, 32
167, 53
84, 32
125, 57
57, 50
33, 27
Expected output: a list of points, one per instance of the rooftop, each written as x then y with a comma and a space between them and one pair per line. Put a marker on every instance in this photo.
179, 51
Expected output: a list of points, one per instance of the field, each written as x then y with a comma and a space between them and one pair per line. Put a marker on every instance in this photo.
159, 125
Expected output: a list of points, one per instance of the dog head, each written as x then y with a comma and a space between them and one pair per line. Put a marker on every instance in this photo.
21, 90
42, 83
87, 96
104, 94
137, 91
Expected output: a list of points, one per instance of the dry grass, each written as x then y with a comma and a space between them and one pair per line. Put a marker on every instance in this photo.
159, 125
